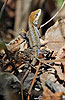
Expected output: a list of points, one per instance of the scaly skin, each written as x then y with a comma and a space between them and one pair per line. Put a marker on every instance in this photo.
34, 35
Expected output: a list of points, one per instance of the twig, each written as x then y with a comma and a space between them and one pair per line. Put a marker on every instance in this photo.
27, 72
21, 66
24, 60
53, 16
29, 92
44, 61
3, 7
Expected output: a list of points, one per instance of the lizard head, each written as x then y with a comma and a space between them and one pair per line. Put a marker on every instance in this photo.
34, 16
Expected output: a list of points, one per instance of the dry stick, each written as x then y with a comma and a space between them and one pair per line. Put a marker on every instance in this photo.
27, 72
44, 61
26, 61
29, 92
25, 75
21, 66
53, 16
3, 7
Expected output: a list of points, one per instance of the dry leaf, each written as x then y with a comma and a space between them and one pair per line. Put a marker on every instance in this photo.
16, 44
55, 35
59, 72
61, 55
48, 95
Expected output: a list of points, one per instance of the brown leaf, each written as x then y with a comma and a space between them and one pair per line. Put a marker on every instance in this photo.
55, 35
48, 95
61, 55
59, 72
16, 44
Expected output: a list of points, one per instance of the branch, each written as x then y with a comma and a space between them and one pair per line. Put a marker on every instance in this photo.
3, 7
53, 16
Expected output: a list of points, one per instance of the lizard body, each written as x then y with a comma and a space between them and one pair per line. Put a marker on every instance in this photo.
33, 34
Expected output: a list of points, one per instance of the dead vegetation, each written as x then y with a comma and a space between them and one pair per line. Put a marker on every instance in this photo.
18, 77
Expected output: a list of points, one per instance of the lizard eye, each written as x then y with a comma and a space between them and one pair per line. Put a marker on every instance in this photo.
36, 14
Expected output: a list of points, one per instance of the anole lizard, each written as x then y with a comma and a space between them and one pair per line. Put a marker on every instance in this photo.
33, 34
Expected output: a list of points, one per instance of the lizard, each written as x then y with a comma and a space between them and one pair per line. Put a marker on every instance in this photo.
33, 34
